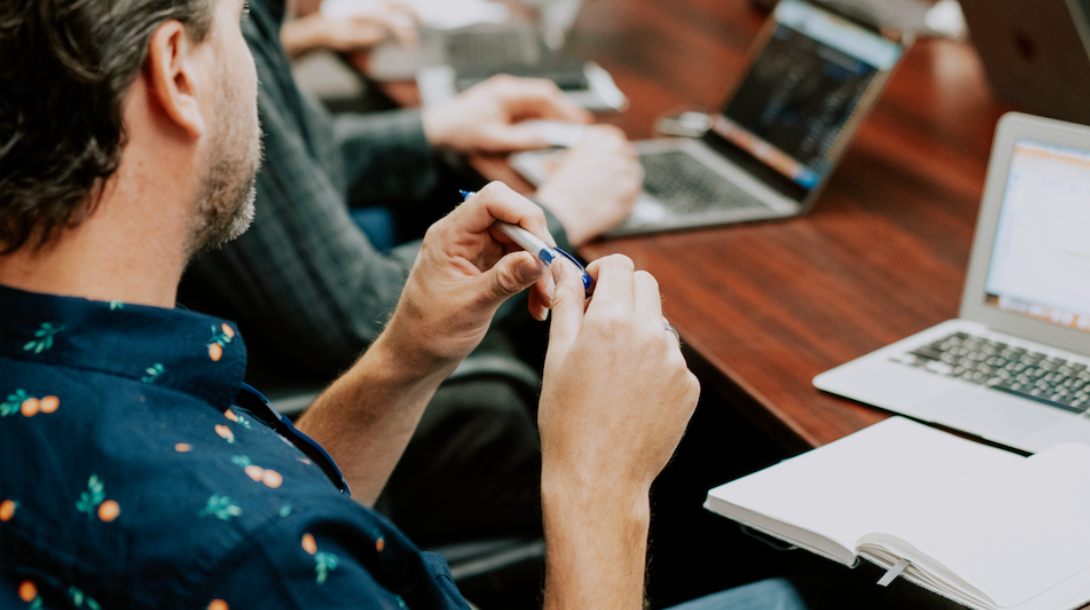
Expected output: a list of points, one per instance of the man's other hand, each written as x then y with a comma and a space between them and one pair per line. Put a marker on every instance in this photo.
616, 399
617, 394
489, 117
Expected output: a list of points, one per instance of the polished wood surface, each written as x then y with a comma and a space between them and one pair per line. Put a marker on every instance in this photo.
764, 307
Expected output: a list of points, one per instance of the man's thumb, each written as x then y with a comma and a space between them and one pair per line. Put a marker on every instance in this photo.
512, 274
567, 306
520, 136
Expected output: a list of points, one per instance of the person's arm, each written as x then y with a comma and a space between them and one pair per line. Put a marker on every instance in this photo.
616, 399
463, 273
355, 33
387, 158
599, 179
595, 185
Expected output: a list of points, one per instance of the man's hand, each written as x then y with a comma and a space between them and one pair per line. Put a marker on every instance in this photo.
596, 184
464, 271
617, 393
358, 32
488, 116
616, 400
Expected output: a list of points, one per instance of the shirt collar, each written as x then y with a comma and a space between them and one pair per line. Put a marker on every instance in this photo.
189, 352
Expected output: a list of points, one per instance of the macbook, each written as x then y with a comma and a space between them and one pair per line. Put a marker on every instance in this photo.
1014, 368
811, 78
1036, 54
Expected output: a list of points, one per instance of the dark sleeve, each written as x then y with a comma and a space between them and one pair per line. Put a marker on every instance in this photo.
303, 279
556, 229
386, 157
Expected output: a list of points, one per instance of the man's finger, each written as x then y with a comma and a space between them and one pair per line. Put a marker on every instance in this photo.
614, 289
511, 275
648, 299
567, 308
497, 201
519, 136
538, 98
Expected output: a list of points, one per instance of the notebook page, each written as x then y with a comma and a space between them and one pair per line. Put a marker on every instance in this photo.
867, 482
1022, 535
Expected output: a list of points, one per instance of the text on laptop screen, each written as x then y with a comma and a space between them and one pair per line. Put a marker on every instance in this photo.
792, 106
1040, 263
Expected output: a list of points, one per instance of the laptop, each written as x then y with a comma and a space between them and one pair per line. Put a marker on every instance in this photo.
1014, 367
811, 78
449, 61
1035, 54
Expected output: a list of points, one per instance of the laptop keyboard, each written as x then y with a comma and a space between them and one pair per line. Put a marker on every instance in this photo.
686, 186
1024, 372
484, 50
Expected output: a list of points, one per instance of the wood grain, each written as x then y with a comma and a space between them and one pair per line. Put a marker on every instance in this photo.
765, 307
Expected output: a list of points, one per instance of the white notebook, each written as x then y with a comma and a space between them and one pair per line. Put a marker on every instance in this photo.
980, 525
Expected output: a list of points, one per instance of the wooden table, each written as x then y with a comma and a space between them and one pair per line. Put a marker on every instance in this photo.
764, 307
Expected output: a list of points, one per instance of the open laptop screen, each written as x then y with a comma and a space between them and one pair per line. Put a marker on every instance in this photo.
1040, 262
794, 108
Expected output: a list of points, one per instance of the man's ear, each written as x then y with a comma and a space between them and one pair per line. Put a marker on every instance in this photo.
174, 76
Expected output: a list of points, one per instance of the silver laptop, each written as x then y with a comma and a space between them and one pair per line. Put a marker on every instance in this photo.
1014, 368
1036, 54
812, 77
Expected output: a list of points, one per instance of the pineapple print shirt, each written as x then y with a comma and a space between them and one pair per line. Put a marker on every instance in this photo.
137, 471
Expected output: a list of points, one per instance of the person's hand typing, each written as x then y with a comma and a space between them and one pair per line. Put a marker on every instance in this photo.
595, 185
353, 33
489, 117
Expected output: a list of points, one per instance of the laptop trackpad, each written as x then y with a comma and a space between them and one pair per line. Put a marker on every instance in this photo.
987, 413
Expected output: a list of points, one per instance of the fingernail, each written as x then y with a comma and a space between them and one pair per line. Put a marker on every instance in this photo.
530, 268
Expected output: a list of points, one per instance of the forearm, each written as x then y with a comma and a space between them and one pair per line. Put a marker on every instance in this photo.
387, 157
596, 544
366, 418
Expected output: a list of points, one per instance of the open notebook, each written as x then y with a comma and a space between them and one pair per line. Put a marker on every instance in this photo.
985, 527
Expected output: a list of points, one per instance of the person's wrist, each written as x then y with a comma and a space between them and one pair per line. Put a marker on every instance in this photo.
411, 347
596, 543
582, 487
437, 127
573, 227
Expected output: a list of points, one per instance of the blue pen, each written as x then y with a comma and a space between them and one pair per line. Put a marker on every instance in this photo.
541, 250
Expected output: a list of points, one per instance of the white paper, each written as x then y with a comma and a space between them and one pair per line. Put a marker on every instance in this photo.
1008, 526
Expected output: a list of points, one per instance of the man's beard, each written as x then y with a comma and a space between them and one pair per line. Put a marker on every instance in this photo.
225, 207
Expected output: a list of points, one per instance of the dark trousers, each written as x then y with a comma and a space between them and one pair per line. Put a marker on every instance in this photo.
472, 469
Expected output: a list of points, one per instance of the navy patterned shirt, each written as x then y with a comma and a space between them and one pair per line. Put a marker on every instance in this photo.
134, 474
